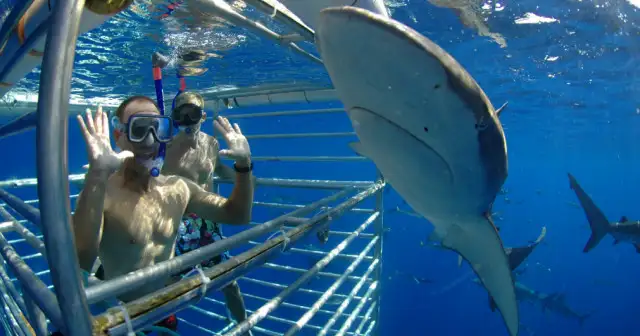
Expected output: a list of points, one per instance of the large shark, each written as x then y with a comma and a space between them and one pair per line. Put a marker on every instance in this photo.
430, 130
622, 231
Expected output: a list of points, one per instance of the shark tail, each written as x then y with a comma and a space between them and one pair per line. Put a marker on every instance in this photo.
478, 242
597, 221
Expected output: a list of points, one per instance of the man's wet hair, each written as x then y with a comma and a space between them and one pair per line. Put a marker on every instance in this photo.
123, 106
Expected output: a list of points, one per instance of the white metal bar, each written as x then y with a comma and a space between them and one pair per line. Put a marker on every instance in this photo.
270, 306
329, 292
225, 11
371, 326
299, 135
271, 182
292, 305
309, 158
302, 270
351, 296
346, 325
163, 269
16, 327
281, 286
27, 235
284, 16
291, 206
224, 318
283, 113
273, 318
367, 315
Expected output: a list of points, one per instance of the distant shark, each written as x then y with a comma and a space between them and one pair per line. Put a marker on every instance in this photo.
430, 130
471, 15
552, 302
622, 231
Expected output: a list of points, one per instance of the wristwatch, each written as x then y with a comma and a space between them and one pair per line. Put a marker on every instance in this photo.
243, 169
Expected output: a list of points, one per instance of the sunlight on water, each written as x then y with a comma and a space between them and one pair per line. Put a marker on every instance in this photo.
114, 59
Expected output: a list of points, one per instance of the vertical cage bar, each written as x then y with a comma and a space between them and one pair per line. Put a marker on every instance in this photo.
53, 181
378, 226
36, 316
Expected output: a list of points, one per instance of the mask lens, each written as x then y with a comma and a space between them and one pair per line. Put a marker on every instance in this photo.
141, 125
187, 114
164, 130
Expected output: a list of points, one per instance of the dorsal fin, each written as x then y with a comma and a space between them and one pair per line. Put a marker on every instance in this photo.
501, 108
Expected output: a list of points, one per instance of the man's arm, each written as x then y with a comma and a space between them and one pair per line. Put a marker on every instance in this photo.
88, 218
227, 173
233, 210
224, 172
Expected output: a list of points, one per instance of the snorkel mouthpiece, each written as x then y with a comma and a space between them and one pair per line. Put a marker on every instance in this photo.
154, 166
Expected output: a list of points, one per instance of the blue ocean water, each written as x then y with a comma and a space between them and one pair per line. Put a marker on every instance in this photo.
574, 106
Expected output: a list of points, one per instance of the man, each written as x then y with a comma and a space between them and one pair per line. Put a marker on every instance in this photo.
193, 154
129, 217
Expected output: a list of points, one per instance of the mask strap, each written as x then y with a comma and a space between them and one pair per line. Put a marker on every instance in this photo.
115, 123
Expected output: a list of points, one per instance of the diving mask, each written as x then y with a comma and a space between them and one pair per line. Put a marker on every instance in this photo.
140, 125
187, 114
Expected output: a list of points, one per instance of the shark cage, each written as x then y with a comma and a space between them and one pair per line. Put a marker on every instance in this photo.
309, 264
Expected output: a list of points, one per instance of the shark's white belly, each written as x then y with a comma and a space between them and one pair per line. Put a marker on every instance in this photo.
430, 156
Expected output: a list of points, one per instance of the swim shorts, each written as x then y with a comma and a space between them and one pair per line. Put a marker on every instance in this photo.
195, 232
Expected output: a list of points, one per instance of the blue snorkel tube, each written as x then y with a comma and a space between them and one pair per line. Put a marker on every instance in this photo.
158, 62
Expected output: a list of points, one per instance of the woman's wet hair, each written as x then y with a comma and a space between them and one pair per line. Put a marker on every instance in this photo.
123, 106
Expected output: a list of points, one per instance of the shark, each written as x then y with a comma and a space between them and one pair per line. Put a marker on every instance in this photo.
430, 130
472, 15
554, 302
622, 231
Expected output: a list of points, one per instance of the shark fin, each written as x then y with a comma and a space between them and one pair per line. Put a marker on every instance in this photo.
358, 148
597, 221
624, 219
501, 108
479, 243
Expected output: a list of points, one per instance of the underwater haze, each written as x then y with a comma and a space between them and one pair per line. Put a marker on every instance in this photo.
570, 72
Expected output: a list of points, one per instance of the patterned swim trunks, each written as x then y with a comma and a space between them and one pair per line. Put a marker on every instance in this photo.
195, 232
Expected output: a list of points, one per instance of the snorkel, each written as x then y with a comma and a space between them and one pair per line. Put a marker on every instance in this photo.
186, 99
158, 62
183, 86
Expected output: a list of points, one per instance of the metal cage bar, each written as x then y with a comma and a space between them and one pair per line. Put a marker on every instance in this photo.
31, 284
51, 147
58, 218
276, 301
158, 271
226, 12
154, 306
